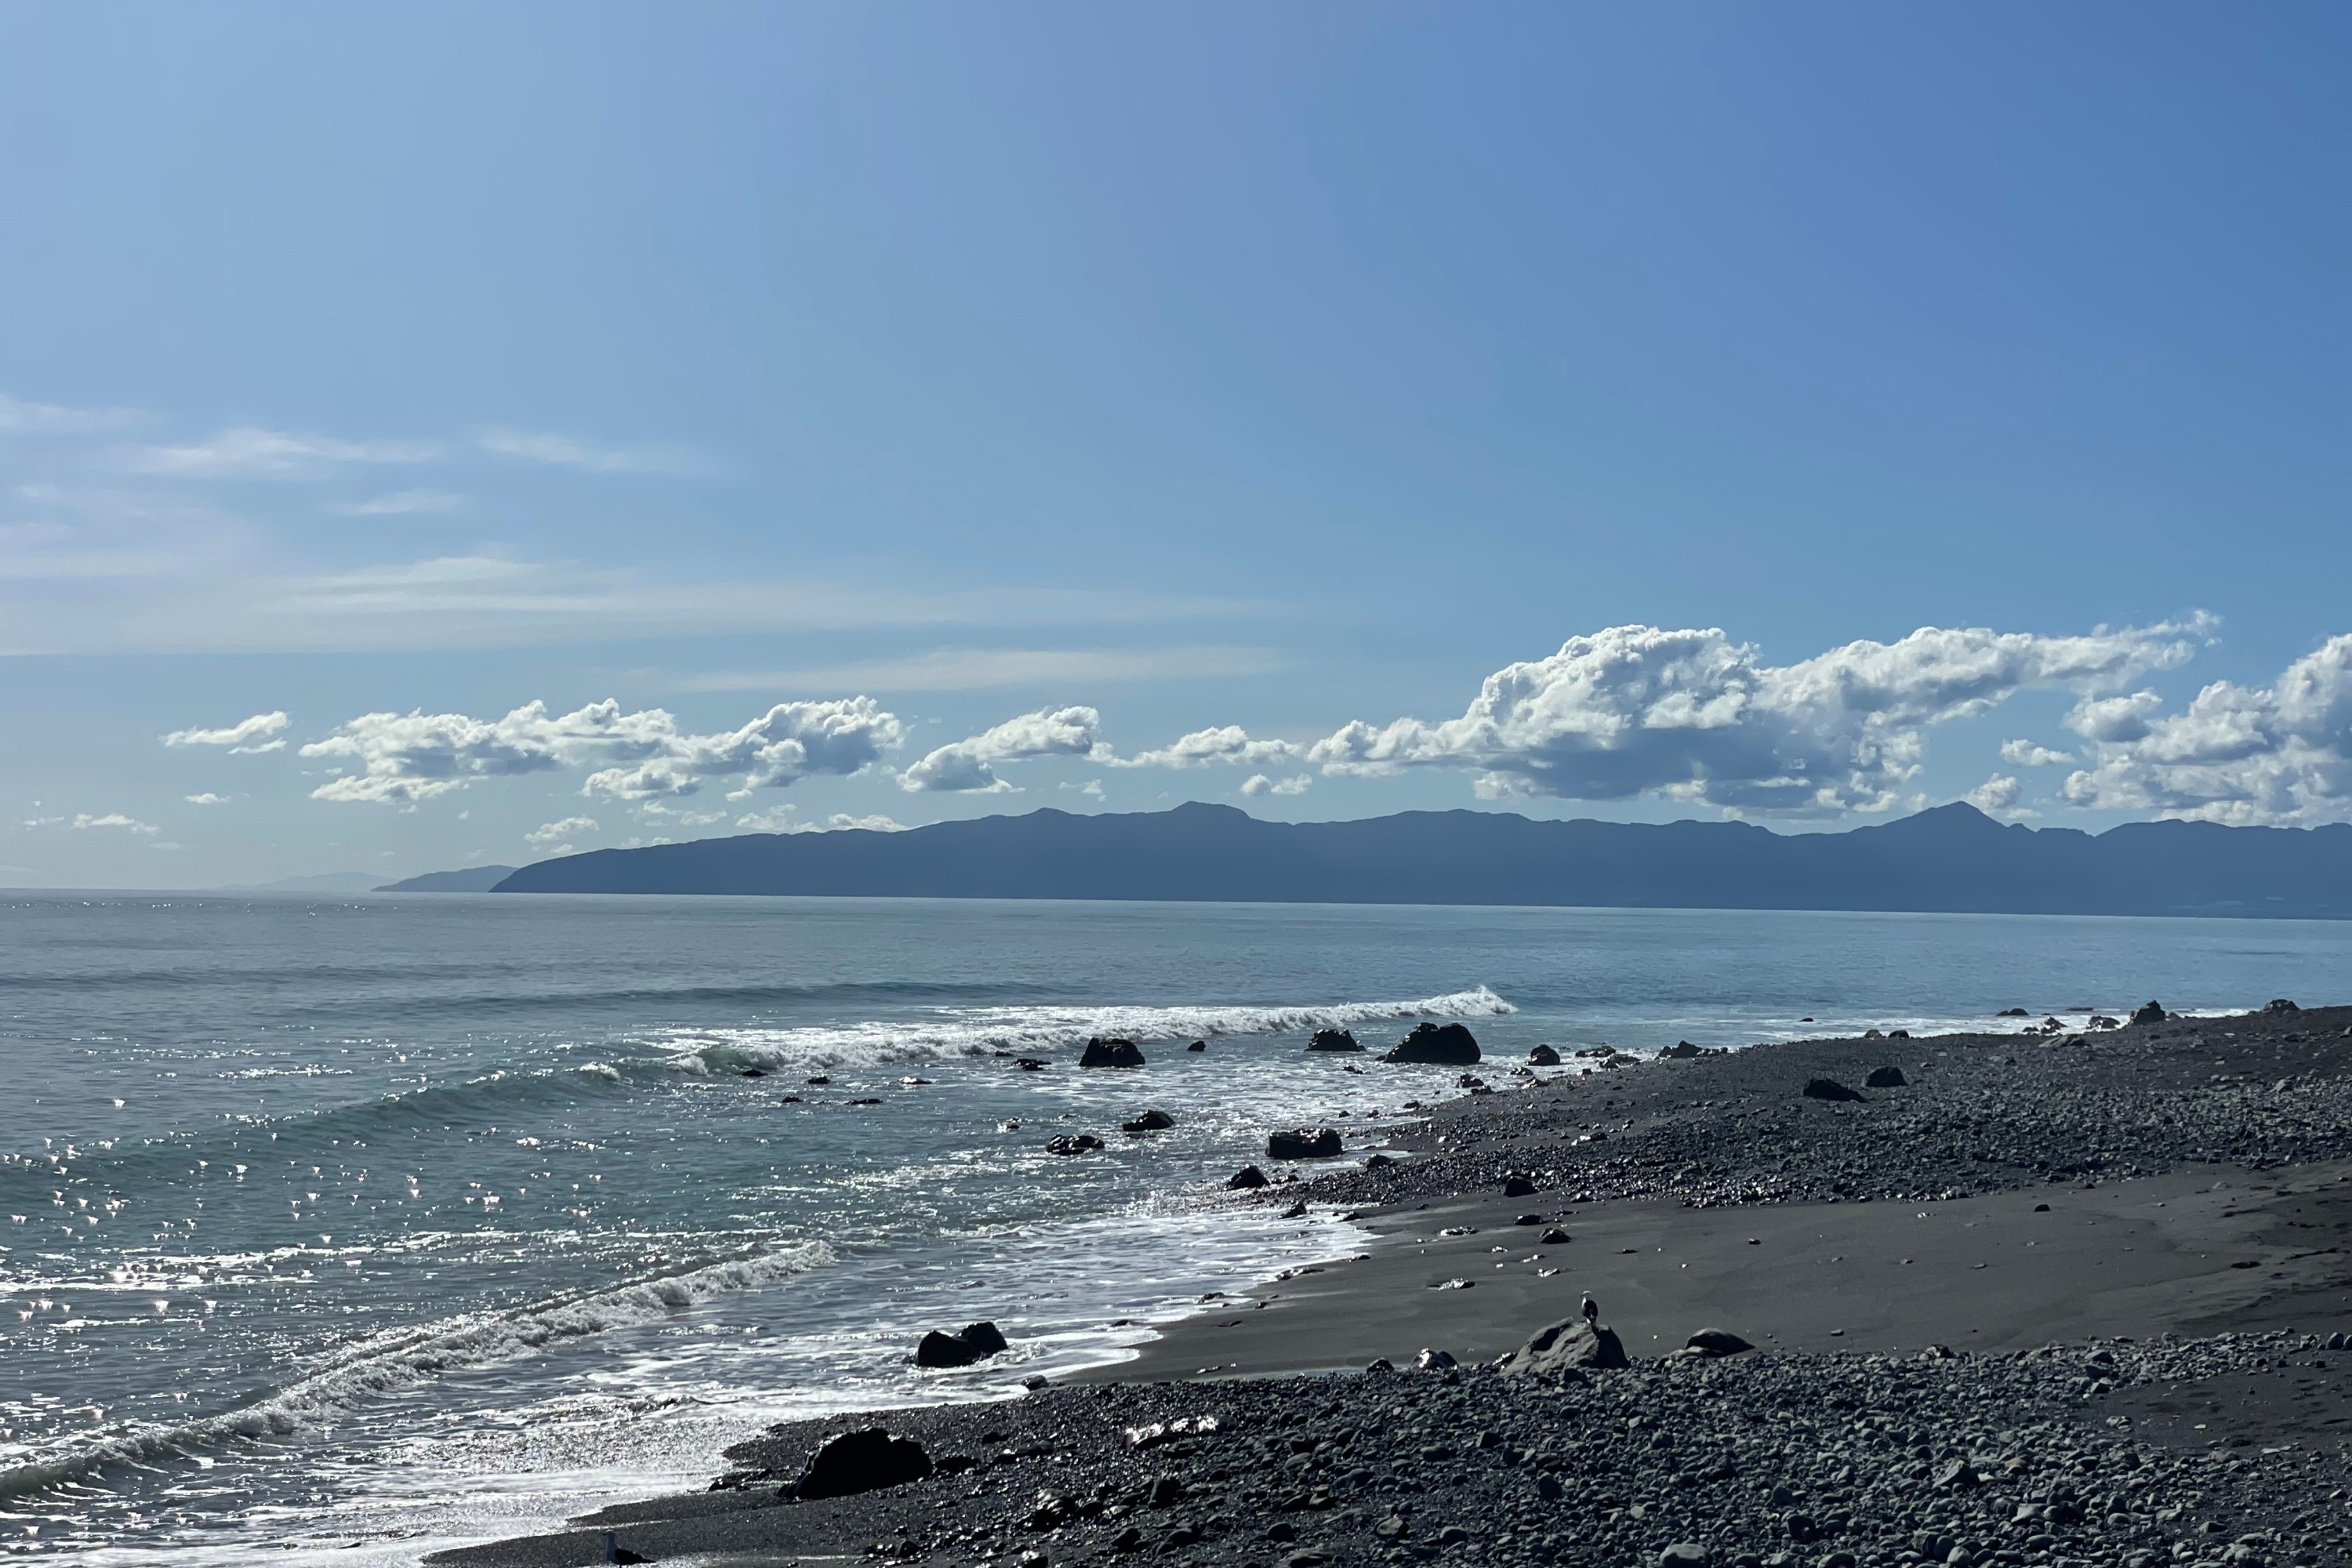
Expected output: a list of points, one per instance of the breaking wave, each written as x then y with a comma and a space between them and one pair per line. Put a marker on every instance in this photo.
389, 1363
982, 1030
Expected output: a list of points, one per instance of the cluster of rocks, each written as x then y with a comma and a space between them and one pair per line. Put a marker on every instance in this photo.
1971, 1115
1723, 1460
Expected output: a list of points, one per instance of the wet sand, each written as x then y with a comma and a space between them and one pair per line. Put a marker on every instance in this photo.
2165, 1253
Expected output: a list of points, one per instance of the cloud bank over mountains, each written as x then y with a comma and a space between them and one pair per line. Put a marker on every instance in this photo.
1627, 712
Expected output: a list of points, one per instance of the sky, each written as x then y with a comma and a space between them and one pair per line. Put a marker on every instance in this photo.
440, 435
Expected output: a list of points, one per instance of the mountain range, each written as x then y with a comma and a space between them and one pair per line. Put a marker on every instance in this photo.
1950, 858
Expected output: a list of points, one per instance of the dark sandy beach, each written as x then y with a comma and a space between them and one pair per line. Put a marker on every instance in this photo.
2076, 1300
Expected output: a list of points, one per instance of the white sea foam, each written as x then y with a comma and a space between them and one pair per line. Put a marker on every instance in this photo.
976, 1031
388, 1363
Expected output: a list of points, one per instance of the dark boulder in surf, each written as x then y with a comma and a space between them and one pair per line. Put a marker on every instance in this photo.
1074, 1143
1102, 1053
976, 1342
1304, 1143
1333, 1040
1445, 1045
1247, 1177
1148, 1121
1543, 1057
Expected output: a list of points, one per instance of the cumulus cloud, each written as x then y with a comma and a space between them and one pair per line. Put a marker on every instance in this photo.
1202, 748
252, 453
1259, 784
1996, 796
1691, 715
970, 764
554, 837
780, 819
402, 758
115, 819
2280, 754
207, 798
2028, 754
262, 732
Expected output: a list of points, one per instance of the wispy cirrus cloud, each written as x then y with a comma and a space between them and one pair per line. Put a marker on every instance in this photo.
400, 503
19, 417
572, 452
985, 669
250, 452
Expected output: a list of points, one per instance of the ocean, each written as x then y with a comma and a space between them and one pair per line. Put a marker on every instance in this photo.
354, 1228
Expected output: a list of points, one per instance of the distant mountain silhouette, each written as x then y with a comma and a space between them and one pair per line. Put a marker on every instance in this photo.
1952, 858
471, 879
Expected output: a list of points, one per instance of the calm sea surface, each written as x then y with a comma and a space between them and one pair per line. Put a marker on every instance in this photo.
358, 1227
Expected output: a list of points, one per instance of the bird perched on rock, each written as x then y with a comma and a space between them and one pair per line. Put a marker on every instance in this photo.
1591, 1308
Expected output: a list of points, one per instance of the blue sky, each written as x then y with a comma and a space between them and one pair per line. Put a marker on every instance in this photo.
1063, 381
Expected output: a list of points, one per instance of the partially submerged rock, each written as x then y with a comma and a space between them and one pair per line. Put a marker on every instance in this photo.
1303, 1144
1247, 1177
861, 1461
973, 1342
1333, 1040
1148, 1121
1681, 1051
1102, 1053
1565, 1345
1074, 1143
1445, 1045
1543, 1057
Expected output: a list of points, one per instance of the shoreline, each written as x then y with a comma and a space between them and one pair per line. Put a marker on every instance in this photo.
2198, 1179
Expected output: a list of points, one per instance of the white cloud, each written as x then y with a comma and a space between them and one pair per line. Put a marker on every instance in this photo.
252, 736
552, 836
780, 819
1259, 784
2280, 754
207, 798
402, 758
115, 819
2113, 718
568, 451
1996, 796
1693, 716
21, 418
1230, 744
252, 453
983, 669
968, 764
400, 503
2028, 754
